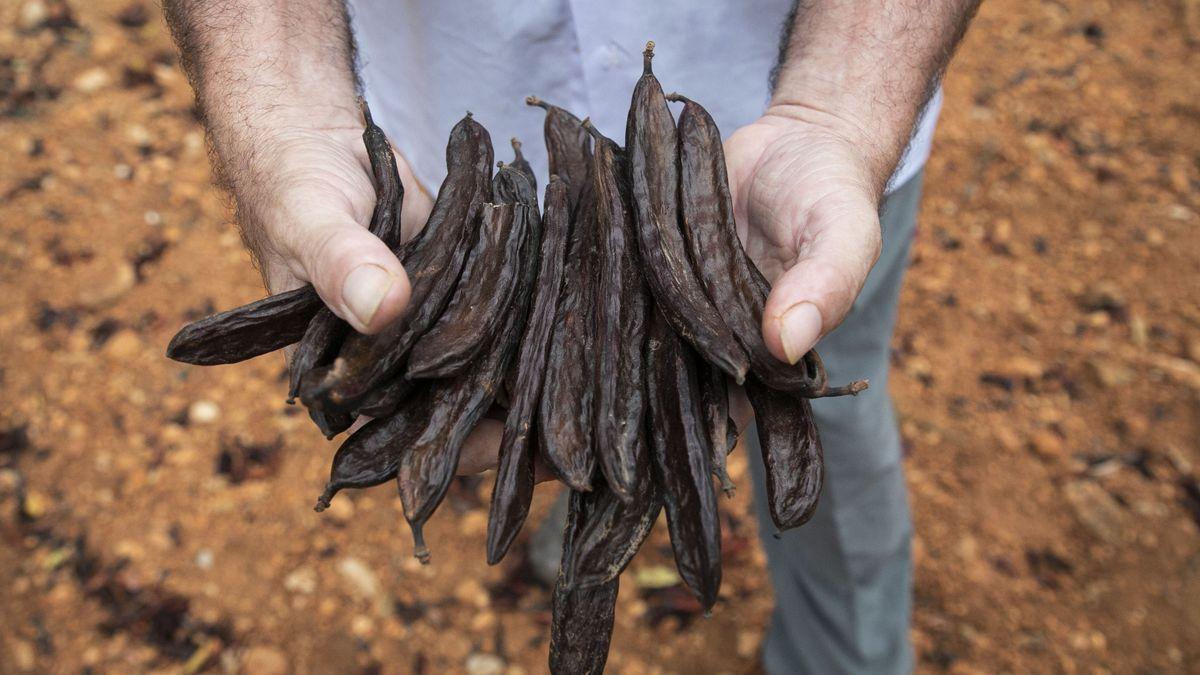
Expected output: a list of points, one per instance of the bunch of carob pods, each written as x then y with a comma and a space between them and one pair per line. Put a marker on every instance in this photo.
608, 324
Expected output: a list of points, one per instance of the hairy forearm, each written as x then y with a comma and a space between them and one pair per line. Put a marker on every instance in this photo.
867, 68
261, 67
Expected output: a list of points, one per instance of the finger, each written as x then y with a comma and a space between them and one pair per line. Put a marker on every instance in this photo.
354, 272
816, 292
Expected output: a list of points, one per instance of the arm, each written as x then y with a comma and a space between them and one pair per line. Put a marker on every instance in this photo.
808, 176
275, 85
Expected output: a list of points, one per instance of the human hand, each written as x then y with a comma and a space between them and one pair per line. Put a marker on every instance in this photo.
806, 203
306, 220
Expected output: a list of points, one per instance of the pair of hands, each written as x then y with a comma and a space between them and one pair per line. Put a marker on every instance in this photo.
805, 199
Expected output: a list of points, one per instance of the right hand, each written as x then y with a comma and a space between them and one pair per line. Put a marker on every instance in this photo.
306, 220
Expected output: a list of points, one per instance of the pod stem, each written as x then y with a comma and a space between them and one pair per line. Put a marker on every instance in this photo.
365, 109
647, 55
852, 389
326, 497
535, 101
591, 129
420, 550
516, 146
676, 97
727, 486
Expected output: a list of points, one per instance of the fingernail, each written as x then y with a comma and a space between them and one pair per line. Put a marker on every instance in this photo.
799, 329
364, 290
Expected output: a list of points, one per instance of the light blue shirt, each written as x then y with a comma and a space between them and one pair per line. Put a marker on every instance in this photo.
426, 62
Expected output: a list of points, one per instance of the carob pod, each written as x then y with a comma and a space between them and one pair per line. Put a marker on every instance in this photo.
427, 468
619, 305
326, 331
433, 265
371, 455
568, 146
384, 399
514, 475
331, 422
714, 401
791, 452
245, 332
581, 622
730, 279
481, 300
565, 411
652, 146
614, 529
521, 164
683, 461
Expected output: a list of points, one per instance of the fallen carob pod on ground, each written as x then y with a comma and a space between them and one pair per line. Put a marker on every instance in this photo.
791, 452
248, 331
652, 146
433, 266
428, 466
568, 146
581, 617
619, 305
326, 331
514, 475
682, 460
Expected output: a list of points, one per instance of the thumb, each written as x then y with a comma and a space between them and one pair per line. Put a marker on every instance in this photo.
839, 242
354, 272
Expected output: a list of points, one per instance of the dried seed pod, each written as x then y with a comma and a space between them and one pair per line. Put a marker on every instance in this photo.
568, 146
371, 455
581, 621
326, 331
652, 146
683, 461
714, 401
521, 164
730, 278
791, 452
245, 332
385, 399
433, 264
565, 411
619, 304
427, 469
481, 299
514, 475
614, 529
331, 422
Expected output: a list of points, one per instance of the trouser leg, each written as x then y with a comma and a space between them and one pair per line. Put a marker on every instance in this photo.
843, 581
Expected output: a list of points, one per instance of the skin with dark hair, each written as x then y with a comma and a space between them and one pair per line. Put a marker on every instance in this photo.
275, 84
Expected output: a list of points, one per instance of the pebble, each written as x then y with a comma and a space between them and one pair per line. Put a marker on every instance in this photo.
107, 285
1046, 443
484, 664
124, 345
302, 580
203, 412
362, 627
204, 559
1108, 373
1023, 367
1103, 296
23, 656
1096, 510
364, 584
262, 660
33, 15
91, 80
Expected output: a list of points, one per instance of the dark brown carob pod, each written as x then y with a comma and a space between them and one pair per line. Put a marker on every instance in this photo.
371, 455
245, 332
326, 331
683, 461
614, 529
619, 308
521, 164
514, 475
384, 399
652, 146
581, 622
714, 401
331, 422
791, 452
433, 264
565, 411
568, 146
729, 277
427, 468
480, 302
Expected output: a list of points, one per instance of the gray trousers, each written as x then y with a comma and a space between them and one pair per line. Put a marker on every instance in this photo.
843, 581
